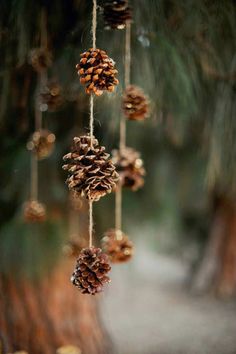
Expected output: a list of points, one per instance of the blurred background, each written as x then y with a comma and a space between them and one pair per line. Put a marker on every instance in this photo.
177, 295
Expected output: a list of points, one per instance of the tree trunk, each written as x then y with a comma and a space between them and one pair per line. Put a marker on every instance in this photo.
218, 268
41, 316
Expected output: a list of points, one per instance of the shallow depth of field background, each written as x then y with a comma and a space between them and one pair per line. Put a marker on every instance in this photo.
177, 295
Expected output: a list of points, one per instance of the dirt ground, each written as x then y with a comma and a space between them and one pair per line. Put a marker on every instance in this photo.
148, 309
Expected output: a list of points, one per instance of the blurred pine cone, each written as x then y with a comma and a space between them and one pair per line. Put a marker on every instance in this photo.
40, 59
34, 211
116, 14
42, 143
97, 71
129, 165
74, 246
51, 97
135, 104
117, 246
91, 171
68, 349
90, 274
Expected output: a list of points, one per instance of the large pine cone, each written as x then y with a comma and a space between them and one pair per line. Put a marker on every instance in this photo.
91, 172
116, 14
117, 246
42, 143
129, 165
135, 104
40, 59
51, 97
90, 274
97, 71
34, 211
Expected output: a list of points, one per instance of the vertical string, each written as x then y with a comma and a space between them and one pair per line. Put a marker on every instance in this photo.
127, 53
91, 118
43, 29
118, 207
90, 223
34, 177
94, 23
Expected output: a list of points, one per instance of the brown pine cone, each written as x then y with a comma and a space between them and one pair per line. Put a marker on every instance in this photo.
116, 14
42, 143
135, 104
97, 71
91, 171
129, 165
51, 97
34, 211
117, 246
90, 274
40, 59
74, 246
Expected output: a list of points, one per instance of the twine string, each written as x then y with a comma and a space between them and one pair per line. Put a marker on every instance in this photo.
34, 177
43, 29
91, 117
90, 223
94, 23
122, 145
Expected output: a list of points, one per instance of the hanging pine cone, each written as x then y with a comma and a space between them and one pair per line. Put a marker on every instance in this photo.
117, 246
42, 143
40, 59
91, 171
97, 71
135, 104
51, 97
90, 274
74, 246
129, 165
68, 349
116, 14
34, 211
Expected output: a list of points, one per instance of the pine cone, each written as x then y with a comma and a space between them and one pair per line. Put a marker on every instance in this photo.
74, 247
51, 97
40, 59
68, 349
34, 211
116, 14
97, 72
90, 271
129, 165
117, 246
135, 104
42, 143
91, 171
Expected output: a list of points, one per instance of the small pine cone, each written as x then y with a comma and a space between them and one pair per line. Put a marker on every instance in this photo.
42, 143
73, 247
68, 349
91, 172
97, 71
34, 211
40, 59
51, 97
90, 274
117, 246
135, 104
116, 14
129, 165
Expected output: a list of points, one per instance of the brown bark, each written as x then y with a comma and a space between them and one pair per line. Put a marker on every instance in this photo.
218, 268
41, 316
